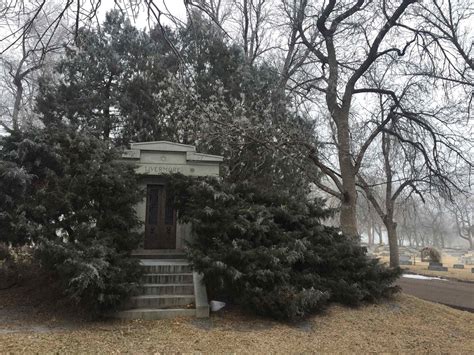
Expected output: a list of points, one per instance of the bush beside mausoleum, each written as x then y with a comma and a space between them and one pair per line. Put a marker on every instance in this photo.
269, 252
66, 194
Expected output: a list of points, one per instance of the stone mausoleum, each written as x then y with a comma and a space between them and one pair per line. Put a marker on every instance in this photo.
154, 160
170, 287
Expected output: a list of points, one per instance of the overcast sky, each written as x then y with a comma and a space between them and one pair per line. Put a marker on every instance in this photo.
175, 7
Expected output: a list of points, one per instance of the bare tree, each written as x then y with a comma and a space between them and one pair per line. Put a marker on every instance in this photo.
324, 30
446, 29
24, 60
463, 209
343, 72
409, 221
413, 162
330, 65
369, 220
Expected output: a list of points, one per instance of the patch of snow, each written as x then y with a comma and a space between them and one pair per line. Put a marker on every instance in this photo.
421, 277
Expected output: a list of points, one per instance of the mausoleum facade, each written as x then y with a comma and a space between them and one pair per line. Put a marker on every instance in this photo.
154, 160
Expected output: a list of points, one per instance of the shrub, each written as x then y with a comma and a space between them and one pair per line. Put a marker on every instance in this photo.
78, 210
16, 264
268, 251
13, 183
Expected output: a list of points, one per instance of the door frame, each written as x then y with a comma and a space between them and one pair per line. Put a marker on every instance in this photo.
162, 240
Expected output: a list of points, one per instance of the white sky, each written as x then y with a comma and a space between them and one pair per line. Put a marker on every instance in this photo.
175, 7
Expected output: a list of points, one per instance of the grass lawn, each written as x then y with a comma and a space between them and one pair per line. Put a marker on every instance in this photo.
404, 324
455, 274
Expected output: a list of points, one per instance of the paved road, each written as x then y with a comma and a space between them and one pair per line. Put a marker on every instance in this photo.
452, 293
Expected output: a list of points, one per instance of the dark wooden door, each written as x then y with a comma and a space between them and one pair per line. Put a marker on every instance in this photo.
160, 224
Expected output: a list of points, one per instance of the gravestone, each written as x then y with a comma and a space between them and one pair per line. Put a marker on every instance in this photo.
458, 266
455, 253
435, 263
437, 268
405, 260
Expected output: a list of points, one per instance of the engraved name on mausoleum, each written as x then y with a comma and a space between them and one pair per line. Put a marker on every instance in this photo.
162, 157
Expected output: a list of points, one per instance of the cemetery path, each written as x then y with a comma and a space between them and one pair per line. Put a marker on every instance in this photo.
456, 294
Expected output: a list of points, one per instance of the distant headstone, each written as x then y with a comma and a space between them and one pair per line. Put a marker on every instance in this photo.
468, 260
472, 270
457, 253
458, 266
405, 262
437, 268
435, 263
405, 258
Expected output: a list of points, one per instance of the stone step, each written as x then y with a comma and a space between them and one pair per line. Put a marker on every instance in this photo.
175, 266
168, 289
160, 301
167, 278
161, 257
153, 313
158, 254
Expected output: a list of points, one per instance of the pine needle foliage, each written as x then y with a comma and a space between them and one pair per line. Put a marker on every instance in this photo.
76, 203
13, 184
268, 250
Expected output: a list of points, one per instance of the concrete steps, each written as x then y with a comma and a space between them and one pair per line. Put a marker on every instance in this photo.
158, 254
154, 313
161, 301
174, 266
167, 278
169, 289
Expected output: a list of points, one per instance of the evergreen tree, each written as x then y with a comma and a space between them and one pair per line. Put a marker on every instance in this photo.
107, 82
241, 111
189, 86
75, 202
14, 181
269, 251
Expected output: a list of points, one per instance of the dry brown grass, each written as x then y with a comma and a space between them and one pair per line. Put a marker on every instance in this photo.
455, 274
421, 268
405, 324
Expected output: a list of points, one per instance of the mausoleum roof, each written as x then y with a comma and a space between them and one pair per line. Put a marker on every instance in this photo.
163, 156
163, 146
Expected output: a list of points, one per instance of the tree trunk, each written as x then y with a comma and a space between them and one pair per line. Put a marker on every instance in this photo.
370, 235
107, 124
348, 217
392, 241
17, 104
400, 240
379, 232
